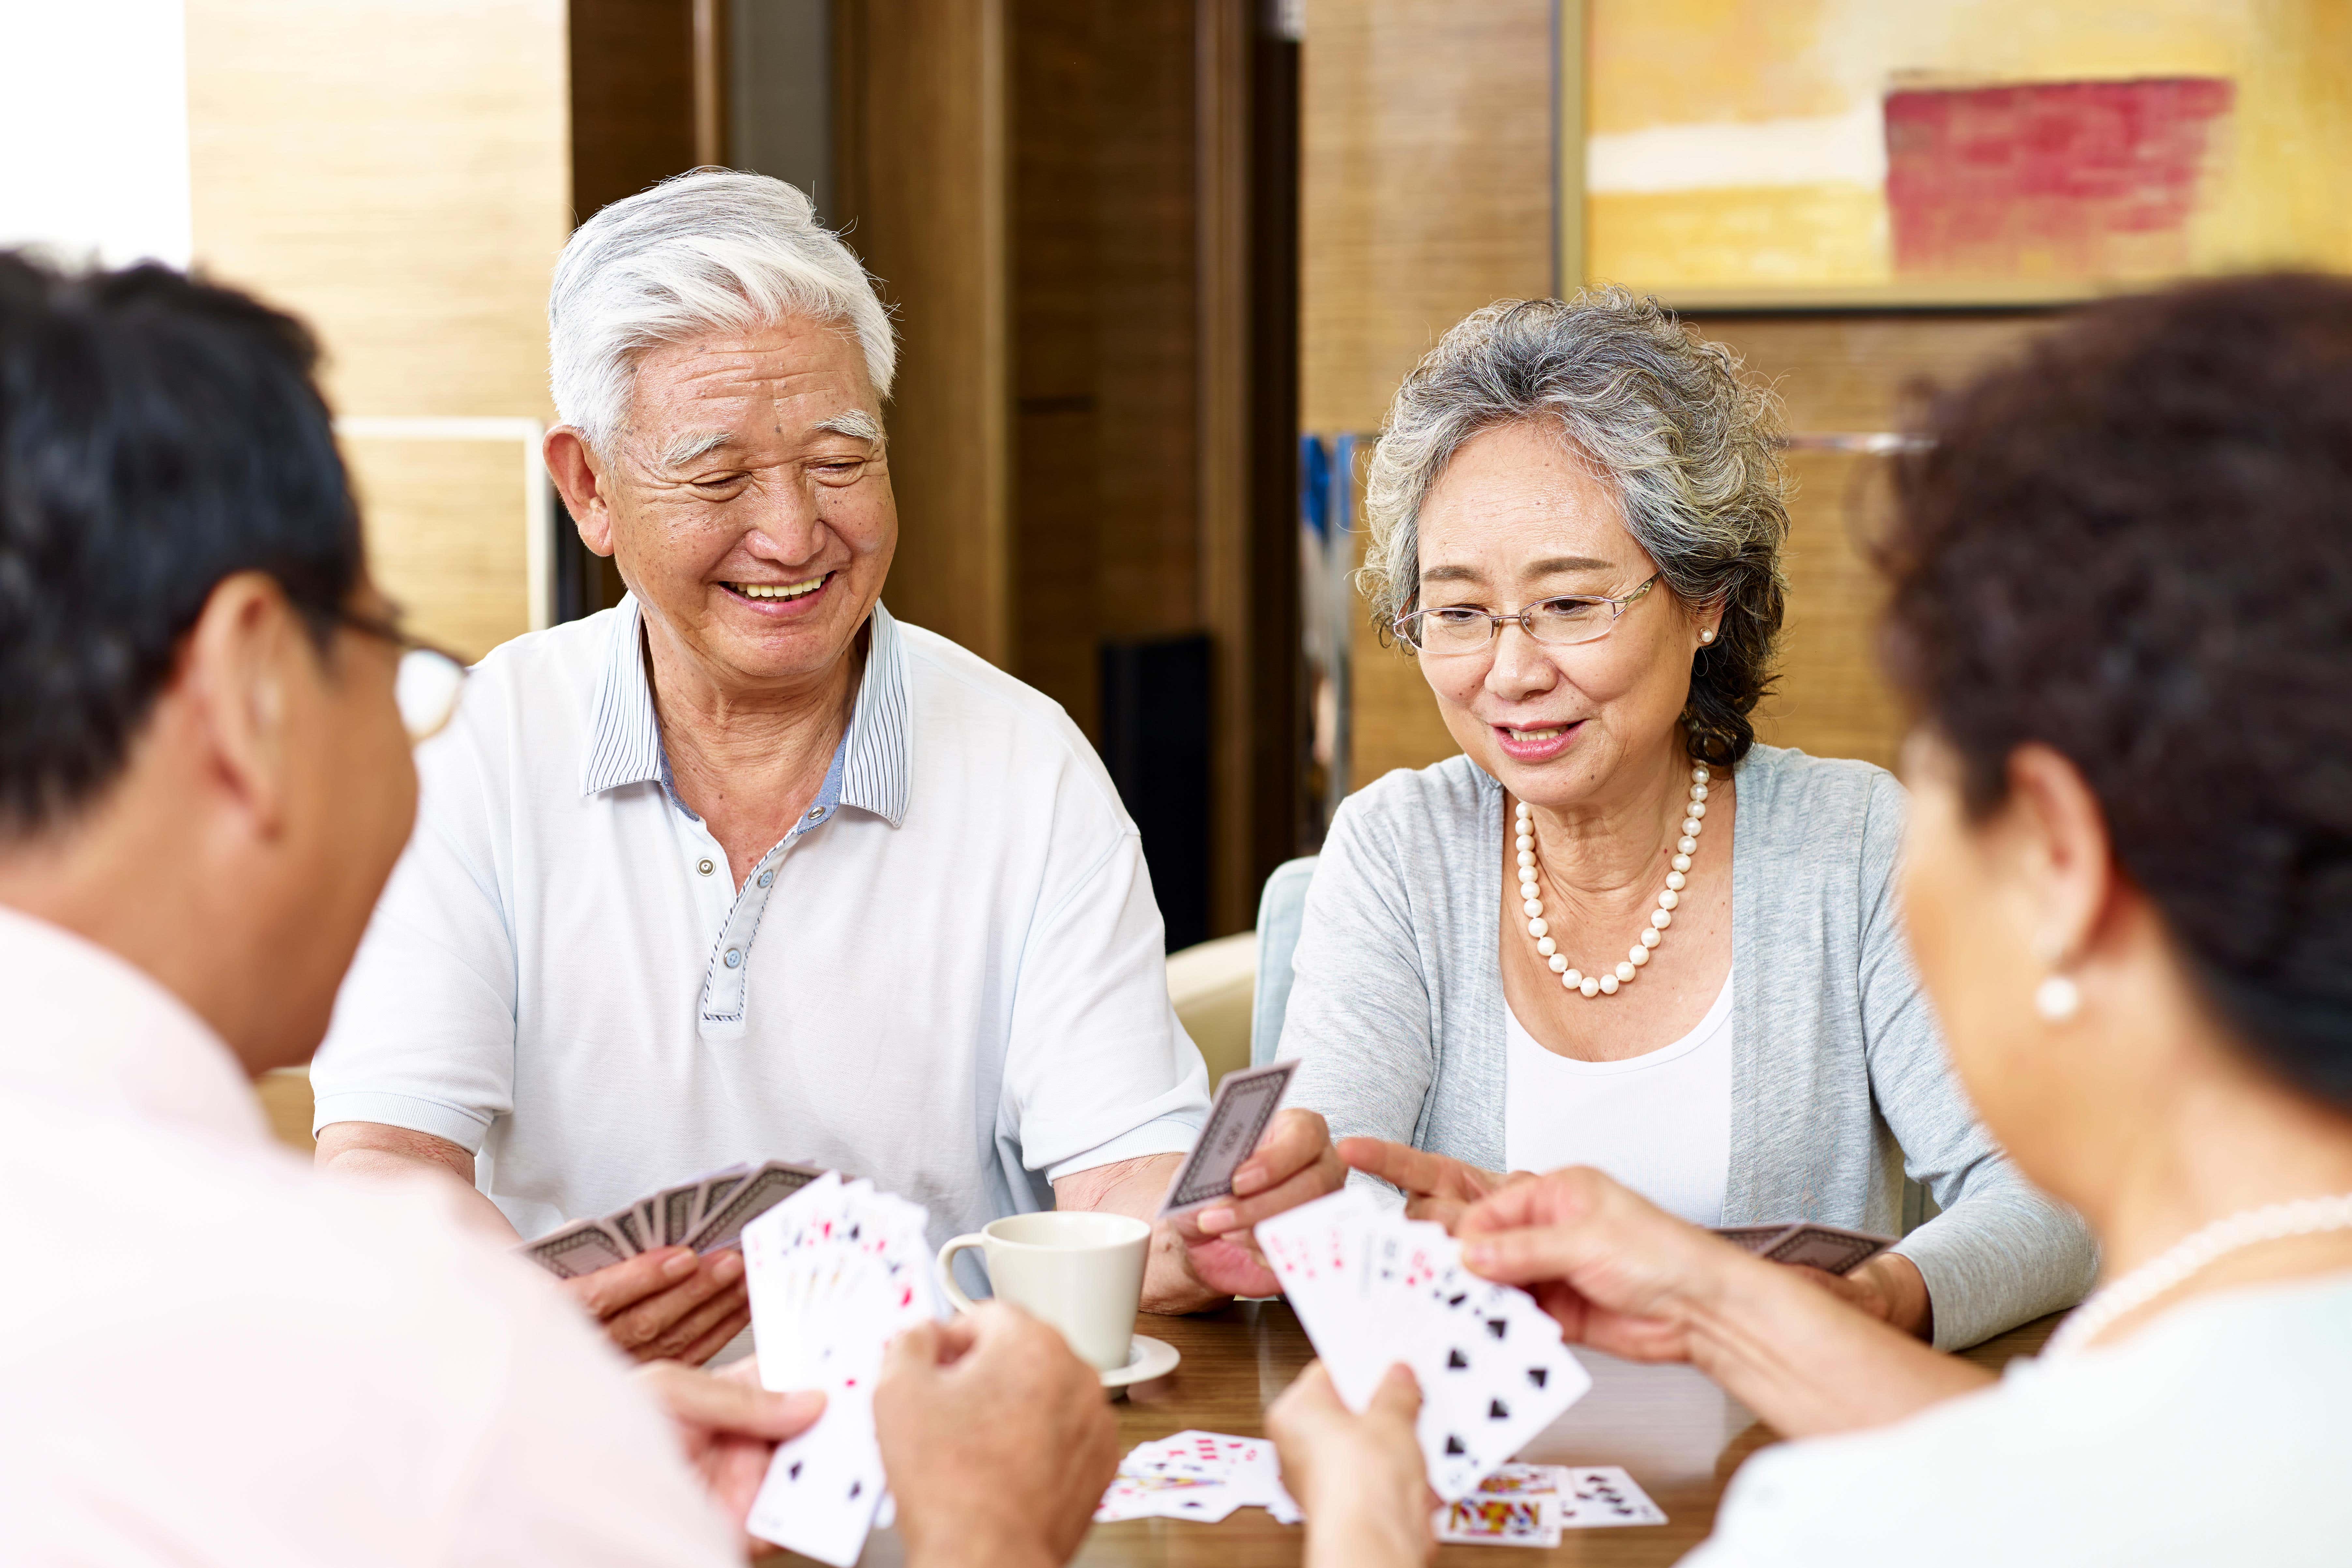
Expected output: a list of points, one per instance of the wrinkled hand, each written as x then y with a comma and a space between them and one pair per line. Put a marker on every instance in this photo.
1359, 1478
1293, 1163
727, 1427
668, 1304
1436, 1187
997, 1441
1617, 1272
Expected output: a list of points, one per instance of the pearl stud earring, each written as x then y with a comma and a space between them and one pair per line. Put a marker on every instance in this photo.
2057, 999
1707, 636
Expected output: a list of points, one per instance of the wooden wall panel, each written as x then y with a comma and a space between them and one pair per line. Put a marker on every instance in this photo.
445, 536
1427, 150
633, 106
1847, 374
398, 175
921, 162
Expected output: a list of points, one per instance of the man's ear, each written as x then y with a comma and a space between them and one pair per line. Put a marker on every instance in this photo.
236, 675
2059, 837
580, 480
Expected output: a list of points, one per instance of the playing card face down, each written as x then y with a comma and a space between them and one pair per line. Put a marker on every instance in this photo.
1245, 1102
836, 1271
708, 1213
1200, 1476
1374, 1289
1829, 1248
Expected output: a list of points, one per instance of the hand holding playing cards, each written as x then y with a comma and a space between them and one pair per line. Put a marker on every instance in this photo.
1359, 1478
1435, 1186
996, 1440
1293, 1163
668, 1304
728, 1426
1622, 1276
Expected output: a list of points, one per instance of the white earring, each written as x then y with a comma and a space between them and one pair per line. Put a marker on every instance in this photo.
1707, 636
2057, 999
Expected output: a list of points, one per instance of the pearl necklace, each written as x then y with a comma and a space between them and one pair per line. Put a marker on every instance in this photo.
2303, 1217
1606, 981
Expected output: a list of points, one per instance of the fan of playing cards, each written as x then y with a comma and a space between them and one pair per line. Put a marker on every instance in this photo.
835, 1272
706, 1214
1375, 1289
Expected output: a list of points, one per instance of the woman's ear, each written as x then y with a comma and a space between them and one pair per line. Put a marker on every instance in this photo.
2058, 856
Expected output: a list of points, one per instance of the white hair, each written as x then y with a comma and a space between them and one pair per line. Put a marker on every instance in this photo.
709, 251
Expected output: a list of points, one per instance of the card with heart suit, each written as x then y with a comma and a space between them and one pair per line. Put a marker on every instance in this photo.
834, 1272
1198, 1476
1829, 1248
1246, 1101
1375, 1289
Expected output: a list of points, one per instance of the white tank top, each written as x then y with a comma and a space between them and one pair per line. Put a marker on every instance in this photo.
1659, 1122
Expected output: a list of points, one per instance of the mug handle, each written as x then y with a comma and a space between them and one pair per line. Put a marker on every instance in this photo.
964, 1303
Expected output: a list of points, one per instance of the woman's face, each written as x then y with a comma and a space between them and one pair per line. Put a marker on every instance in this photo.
1516, 518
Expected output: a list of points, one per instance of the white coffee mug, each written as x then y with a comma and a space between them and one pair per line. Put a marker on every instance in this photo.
1081, 1272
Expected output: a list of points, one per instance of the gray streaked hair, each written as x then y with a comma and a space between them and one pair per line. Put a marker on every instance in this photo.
1663, 415
709, 251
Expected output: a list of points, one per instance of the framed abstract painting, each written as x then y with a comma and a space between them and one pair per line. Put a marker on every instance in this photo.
1828, 153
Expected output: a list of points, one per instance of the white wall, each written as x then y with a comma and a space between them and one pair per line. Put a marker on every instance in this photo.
94, 128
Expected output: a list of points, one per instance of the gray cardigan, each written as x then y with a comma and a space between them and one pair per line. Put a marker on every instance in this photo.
1838, 1081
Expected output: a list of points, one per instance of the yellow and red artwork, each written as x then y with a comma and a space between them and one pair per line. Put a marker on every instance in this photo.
1791, 151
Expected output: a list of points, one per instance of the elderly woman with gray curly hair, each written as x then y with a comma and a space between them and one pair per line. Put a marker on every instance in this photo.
1617, 932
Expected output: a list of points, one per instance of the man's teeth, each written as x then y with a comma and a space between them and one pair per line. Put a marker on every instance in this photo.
778, 590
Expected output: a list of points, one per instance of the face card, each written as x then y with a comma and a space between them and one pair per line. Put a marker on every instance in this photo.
581, 1247
1245, 1102
1479, 1519
1603, 1495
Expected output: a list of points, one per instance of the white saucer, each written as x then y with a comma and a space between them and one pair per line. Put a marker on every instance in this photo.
1147, 1358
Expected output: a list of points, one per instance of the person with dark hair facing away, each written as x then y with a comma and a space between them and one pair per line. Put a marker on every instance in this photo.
207, 1352
1616, 930
2122, 606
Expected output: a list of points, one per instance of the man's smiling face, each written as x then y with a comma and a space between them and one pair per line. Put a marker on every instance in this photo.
748, 498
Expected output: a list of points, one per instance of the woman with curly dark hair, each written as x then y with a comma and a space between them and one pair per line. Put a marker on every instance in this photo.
1616, 932
2123, 608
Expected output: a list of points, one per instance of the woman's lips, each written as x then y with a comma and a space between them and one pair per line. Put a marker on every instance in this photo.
1535, 742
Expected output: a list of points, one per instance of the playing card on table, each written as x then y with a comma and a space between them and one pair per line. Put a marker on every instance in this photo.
1375, 1289
836, 1271
1247, 1100
1531, 1518
1198, 1476
1603, 1495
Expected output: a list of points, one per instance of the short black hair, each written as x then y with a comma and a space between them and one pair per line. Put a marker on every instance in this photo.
2135, 546
157, 434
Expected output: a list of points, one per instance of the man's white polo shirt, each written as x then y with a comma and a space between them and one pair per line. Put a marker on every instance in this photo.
950, 977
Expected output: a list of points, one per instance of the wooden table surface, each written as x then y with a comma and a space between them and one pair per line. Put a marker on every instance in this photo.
1678, 1434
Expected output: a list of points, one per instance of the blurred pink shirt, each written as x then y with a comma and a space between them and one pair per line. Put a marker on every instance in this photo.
207, 1354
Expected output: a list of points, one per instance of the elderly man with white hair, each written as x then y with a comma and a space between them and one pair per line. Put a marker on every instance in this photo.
744, 867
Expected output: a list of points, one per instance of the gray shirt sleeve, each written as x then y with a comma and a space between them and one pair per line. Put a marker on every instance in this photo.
2002, 1252
1359, 1020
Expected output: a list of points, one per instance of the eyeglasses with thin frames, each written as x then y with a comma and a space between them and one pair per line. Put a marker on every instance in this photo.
1561, 622
429, 682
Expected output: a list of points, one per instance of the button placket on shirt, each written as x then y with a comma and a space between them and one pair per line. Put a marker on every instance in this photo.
727, 978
